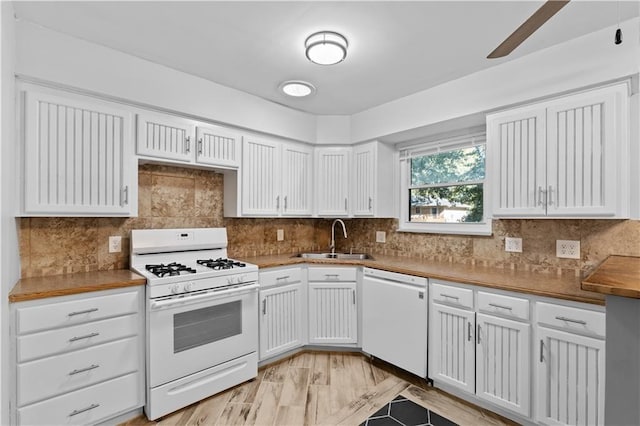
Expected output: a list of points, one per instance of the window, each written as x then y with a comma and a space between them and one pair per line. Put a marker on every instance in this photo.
443, 187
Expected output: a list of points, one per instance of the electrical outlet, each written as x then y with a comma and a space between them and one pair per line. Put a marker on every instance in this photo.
115, 244
280, 235
381, 237
568, 249
513, 244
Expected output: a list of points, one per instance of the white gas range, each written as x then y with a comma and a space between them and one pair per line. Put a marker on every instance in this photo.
202, 315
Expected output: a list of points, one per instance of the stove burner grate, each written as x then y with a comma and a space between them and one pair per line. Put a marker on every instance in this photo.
220, 263
170, 269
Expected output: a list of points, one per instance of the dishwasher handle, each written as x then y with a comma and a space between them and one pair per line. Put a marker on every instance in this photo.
395, 277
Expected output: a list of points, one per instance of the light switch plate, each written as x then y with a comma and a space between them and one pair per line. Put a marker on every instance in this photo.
513, 245
280, 235
381, 237
568, 249
115, 244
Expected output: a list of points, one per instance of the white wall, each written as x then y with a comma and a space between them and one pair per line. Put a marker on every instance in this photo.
55, 57
581, 62
333, 129
9, 249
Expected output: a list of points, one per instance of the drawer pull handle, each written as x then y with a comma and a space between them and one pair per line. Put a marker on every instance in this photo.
88, 336
331, 276
495, 305
448, 296
86, 311
571, 320
286, 277
82, 370
82, 410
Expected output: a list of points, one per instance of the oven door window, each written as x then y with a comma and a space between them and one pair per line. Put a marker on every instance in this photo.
206, 325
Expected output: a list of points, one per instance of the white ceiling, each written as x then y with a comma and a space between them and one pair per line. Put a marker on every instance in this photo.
395, 48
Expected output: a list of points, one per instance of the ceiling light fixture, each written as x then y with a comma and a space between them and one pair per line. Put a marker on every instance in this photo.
326, 48
297, 88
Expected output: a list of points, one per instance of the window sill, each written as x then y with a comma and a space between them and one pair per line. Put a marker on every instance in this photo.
480, 229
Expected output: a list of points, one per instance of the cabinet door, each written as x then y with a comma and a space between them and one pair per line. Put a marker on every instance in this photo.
297, 181
583, 139
502, 363
281, 325
78, 157
452, 347
516, 148
165, 136
333, 313
364, 179
260, 177
570, 373
332, 181
218, 146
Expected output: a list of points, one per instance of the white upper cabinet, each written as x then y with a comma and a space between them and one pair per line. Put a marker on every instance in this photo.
77, 157
373, 180
332, 181
276, 178
180, 140
567, 157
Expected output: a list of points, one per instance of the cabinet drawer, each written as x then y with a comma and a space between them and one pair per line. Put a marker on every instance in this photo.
281, 276
63, 314
51, 342
450, 295
51, 376
570, 319
86, 406
332, 274
507, 306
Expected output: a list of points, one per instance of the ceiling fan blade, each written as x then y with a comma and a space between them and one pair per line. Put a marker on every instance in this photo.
535, 21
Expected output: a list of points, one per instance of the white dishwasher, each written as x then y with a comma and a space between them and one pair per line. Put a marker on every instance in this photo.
394, 319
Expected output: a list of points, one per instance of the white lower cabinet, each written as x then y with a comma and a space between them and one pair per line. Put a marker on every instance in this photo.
78, 359
479, 342
283, 311
333, 309
570, 367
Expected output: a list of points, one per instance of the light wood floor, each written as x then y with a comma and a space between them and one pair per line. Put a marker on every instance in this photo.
321, 388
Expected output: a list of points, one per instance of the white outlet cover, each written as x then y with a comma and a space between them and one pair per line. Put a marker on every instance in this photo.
568, 249
513, 245
381, 237
115, 244
280, 235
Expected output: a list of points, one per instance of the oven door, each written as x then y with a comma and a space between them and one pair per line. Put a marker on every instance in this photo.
189, 334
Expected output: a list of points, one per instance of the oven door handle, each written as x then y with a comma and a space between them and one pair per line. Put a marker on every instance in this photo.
212, 295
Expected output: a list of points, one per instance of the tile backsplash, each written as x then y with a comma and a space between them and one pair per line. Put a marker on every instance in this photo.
175, 197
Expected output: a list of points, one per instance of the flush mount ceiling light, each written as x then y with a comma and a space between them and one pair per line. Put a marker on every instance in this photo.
326, 47
297, 88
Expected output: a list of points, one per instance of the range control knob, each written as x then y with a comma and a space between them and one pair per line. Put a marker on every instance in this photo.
188, 287
242, 278
231, 280
175, 289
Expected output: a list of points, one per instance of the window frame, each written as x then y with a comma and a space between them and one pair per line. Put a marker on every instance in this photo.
434, 147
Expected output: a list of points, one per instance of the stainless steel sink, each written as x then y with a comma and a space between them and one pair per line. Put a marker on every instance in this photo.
342, 256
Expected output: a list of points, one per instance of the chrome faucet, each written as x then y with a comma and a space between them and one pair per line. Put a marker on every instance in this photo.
332, 245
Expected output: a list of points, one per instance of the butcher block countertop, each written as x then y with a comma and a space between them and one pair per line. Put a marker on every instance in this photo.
617, 276
541, 284
63, 285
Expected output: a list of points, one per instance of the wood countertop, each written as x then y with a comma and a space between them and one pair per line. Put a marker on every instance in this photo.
63, 285
617, 276
541, 284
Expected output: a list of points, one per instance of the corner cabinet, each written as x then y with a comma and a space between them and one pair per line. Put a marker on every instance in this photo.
333, 308
567, 157
77, 157
333, 180
180, 140
276, 178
